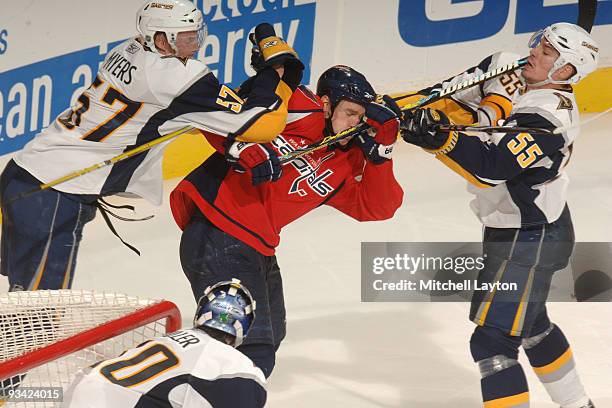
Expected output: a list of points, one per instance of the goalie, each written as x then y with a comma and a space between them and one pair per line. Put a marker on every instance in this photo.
197, 367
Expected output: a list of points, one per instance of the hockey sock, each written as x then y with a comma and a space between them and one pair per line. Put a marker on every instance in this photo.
551, 358
262, 355
503, 382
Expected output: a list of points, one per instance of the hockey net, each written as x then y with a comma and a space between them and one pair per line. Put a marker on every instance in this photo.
47, 336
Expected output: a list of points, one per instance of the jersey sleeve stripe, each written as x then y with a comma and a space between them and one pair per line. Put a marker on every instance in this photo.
471, 178
501, 105
269, 122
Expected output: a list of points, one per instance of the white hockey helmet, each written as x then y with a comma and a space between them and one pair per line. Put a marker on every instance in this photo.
575, 47
170, 17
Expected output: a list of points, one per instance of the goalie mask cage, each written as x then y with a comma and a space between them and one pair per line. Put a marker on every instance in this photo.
47, 336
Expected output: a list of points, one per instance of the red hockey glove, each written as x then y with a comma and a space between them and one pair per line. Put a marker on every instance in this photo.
259, 159
377, 143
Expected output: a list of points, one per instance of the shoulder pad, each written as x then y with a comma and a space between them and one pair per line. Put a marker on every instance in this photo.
303, 99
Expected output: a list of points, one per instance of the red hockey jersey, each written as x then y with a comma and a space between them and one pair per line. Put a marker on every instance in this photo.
256, 214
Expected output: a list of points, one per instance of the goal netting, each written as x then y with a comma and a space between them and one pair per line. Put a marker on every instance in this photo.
47, 336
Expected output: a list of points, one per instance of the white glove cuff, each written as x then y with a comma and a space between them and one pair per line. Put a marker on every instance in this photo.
238, 147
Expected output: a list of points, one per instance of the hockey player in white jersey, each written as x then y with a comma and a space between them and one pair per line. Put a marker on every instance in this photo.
146, 87
189, 368
520, 192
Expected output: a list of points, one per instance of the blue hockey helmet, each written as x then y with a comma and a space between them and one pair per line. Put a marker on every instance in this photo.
227, 307
343, 82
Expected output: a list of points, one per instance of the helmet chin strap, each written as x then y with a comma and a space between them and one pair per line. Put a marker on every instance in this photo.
329, 127
559, 63
172, 42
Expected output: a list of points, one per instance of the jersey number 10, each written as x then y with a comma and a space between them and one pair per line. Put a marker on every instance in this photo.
144, 366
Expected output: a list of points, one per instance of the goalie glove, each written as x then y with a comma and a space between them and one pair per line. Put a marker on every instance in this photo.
419, 128
377, 142
258, 159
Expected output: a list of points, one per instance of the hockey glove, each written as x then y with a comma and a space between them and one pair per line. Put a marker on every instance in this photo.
272, 51
257, 61
258, 159
419, 128
377, 142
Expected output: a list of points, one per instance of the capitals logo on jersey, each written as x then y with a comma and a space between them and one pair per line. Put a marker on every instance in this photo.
307, 168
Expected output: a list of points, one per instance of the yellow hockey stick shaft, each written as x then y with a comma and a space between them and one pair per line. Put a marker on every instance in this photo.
125, 155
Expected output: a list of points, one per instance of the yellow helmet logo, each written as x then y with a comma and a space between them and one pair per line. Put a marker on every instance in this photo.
162, 6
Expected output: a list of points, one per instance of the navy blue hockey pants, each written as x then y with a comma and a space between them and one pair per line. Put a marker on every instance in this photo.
40, 233
209, 255
527, 257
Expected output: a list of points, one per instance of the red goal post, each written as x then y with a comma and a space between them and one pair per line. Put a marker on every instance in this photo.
71, 330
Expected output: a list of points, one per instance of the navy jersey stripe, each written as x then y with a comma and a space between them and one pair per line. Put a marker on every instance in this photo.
220, 393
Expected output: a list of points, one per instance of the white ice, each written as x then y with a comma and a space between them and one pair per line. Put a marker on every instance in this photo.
345, 353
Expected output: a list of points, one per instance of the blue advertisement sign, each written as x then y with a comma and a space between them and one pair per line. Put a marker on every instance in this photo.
3, 41
32, 96
418, 30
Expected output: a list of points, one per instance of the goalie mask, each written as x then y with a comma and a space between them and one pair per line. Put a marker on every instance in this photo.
227, 307
170, 17
575, 47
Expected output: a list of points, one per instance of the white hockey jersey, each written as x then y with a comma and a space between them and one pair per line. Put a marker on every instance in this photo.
184, 369
136, 97
518, 179
491, 100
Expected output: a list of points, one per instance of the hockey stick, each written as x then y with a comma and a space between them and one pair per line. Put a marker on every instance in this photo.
586, 13
586, 17
518, 129
433, 97
492, 129
112, 160
587, 9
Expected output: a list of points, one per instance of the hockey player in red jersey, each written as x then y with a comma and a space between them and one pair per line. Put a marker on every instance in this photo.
520, 189
231, 227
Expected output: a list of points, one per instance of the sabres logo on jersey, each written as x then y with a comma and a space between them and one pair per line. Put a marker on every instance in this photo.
564, 102
133, 48
270, 43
